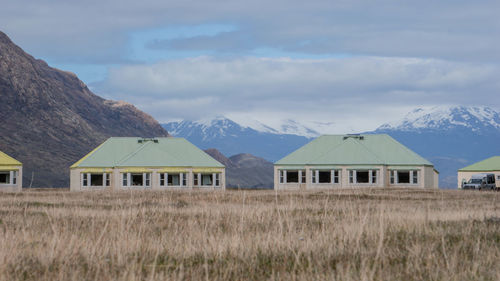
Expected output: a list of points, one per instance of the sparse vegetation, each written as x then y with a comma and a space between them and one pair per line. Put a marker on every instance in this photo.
370, 234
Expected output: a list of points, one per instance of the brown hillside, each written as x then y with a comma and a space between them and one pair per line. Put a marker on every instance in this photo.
50, 119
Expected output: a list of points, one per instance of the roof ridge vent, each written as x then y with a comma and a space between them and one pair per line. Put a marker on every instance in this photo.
143, 140
354, 136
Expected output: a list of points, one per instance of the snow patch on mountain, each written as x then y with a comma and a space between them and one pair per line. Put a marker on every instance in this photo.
447, 117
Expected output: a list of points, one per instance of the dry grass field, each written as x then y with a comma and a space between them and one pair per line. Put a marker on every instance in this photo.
370, 234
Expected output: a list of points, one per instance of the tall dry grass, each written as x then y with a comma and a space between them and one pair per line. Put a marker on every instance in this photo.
371, 234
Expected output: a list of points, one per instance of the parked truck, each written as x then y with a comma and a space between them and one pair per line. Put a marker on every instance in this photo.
480, 181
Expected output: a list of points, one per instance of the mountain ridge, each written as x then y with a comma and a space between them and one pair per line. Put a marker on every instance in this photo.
50, 118
245, 170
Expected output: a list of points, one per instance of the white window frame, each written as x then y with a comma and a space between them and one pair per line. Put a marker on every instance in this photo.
86, 180
183, 179
302, 176
335, 177
11, 180
372, 174
411, 173
217, 180
282, 176
146, 180
298, 175
14, 177
212, 175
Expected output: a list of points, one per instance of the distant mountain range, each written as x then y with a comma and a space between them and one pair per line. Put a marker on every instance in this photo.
231, 138
450, 137
50, 119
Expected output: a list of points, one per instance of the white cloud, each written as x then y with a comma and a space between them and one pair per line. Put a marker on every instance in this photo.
356, 92
98, 30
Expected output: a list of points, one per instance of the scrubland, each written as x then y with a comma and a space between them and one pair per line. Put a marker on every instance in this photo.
349, 234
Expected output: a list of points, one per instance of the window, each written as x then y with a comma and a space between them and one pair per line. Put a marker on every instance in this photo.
85, 179
136, 179
351, 176
96, 180
206, 180
392, 176
292, 176
196, 179
325, 176
184, 179
303, 177
4, 177
336, 176
362, 177
125, 179
217, 179
313, 176
162, 179
415, 177
14, 177
174, 179
403, 176
498, 177
282, 176
374, 176
148, 179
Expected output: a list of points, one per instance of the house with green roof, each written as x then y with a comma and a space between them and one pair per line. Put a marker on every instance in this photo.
487, 166
146, 163
11, 173
336, 161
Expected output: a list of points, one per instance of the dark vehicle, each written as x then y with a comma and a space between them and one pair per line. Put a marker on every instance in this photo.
480, 181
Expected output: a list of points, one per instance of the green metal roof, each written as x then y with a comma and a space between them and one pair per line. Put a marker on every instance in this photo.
130, 152
378, 149
6, 160
490, 164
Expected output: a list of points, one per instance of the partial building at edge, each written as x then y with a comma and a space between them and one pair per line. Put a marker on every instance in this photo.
487, 166
337, 161
146, 163
11, 173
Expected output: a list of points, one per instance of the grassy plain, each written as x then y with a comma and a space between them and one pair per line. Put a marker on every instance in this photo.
349, 234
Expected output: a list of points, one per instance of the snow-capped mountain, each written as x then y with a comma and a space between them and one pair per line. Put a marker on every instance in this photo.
231, 138
284, 127
450, 137
474, 118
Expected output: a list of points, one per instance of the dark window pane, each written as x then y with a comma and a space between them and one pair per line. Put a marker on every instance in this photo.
325, 176
362, 177
4, 178
292, 176
96, 180
404, 177
136, 179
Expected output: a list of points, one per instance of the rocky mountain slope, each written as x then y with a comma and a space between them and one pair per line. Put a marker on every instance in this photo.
49, 118
245, 170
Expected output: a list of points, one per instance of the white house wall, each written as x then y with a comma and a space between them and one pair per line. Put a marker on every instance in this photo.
116, 180
428, 178
18, 187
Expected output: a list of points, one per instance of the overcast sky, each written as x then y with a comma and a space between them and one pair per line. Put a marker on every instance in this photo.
352, 63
